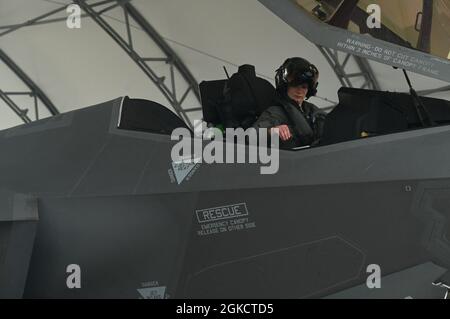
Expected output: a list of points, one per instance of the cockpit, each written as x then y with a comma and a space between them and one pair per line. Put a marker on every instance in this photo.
359, 114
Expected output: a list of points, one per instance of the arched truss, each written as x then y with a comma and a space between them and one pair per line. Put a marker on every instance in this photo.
168, 87
35, 93
175, 64
433, 91
95, 10
337, 60
339, 63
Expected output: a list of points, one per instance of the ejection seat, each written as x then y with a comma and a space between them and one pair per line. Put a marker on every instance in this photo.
365, 113
237, 101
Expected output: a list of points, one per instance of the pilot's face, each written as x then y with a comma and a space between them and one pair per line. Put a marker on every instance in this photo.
298, 93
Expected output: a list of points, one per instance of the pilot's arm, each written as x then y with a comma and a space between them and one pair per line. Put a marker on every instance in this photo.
273, 118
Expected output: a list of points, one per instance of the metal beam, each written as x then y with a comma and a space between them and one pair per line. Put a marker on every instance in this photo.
14, 107
35, 91
169, 91
343, 15
171, 54
339, 63
32, 21
424, 42
432, 91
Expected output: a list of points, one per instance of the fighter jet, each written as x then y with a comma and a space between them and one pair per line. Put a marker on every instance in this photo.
95, 206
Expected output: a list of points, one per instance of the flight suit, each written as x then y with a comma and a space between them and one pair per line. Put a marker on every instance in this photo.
305, 122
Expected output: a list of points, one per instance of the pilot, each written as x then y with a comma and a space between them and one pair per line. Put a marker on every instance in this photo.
300, 123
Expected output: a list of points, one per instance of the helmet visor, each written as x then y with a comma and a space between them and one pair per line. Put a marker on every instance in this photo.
301, 78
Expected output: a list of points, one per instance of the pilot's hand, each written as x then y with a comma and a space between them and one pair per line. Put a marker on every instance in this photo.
283, 131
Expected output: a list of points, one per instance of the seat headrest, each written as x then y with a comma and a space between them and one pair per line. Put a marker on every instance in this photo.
248, 70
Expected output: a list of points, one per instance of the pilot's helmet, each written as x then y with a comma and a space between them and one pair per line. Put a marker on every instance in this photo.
296, 71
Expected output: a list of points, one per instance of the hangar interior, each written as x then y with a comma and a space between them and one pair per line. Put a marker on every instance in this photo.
75, 68
84, 181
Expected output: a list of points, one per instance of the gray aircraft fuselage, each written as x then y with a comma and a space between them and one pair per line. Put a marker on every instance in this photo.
77, 190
